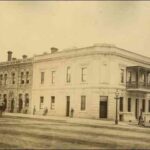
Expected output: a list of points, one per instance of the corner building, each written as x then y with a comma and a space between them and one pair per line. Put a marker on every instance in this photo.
86, 80
16, 84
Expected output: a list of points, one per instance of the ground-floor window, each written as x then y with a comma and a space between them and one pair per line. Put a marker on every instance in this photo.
83, 102
129, 104
41, 102
121, 104
52, 102
143, 105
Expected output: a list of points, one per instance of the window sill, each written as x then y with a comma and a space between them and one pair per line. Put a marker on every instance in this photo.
82, 111
83, 83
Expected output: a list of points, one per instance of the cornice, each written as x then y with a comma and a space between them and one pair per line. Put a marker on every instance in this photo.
16, 62
93, 51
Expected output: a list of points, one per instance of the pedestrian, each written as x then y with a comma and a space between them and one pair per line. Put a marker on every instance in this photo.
45, 111
141, 121
34, 110
72, 112
1, 109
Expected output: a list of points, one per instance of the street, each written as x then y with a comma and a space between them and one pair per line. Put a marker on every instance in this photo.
30, 133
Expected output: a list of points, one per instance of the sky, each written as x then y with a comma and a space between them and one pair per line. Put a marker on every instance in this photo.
33, 27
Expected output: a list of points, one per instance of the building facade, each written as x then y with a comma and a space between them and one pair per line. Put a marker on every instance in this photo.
16, 84
86, 81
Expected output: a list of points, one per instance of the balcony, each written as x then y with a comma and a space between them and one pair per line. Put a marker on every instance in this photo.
138, 79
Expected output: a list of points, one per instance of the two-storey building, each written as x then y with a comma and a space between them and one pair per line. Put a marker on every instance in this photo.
86, 80
16, 84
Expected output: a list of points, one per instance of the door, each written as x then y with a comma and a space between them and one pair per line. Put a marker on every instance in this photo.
103, 107
12, 105
67, 106
137, 108
5, 104
20, 104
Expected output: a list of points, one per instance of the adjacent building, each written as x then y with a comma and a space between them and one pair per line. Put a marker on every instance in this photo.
16, 84
86, 80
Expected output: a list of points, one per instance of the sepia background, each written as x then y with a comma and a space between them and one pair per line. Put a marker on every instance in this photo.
33, 27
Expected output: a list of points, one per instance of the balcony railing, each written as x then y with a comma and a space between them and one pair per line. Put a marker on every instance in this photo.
135, 84
141, 77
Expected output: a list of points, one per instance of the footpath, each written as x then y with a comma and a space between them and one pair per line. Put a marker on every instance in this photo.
81, 121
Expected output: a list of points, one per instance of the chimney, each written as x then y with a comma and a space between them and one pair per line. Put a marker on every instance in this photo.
54, 50
24, 56
9, 55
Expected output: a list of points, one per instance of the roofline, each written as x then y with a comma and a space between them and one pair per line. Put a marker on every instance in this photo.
114, 51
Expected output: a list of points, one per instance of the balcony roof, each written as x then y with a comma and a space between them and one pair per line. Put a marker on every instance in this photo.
138, 67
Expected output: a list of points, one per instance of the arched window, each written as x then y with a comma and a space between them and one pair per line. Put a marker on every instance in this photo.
26, 99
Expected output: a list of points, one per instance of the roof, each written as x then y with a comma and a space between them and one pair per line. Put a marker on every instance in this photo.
107, 49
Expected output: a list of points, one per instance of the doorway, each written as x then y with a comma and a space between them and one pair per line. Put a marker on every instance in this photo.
137, 108
12, 105
67, 106
20, 105
5, 104
103, 107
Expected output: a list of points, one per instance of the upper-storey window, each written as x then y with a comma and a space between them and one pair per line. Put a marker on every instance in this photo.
42, 77
1, 79
122, 75
104, 73
84, 74
142, 79
5, 79
148, 78
13, 78
53, 77
27, 77
129, 76
22, 78
68, 77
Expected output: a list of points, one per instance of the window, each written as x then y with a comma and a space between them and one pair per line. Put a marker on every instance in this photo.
41, 102
27, 77
84, 74
53, 77
122, 75
148, 78
42, 77
129, 76
52, 102
22, 75
129, 104
83, 102
13, 78
104, 73
149, 106
1, 79
121, 104
143, 105
5, 79
68, 78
